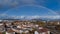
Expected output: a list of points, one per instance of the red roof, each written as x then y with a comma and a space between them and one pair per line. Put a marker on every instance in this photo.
43, 30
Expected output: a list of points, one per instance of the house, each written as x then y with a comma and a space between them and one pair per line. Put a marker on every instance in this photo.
10, 31
42, 30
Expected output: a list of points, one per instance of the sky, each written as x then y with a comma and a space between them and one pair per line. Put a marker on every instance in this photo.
30, 7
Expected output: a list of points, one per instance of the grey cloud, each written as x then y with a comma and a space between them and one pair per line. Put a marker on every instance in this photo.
19, 2
9, 2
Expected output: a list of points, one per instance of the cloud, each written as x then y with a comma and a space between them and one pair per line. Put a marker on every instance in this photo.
19, 2
28, 1
15, 3
5, 16
8, 2
4, 4
35, 17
